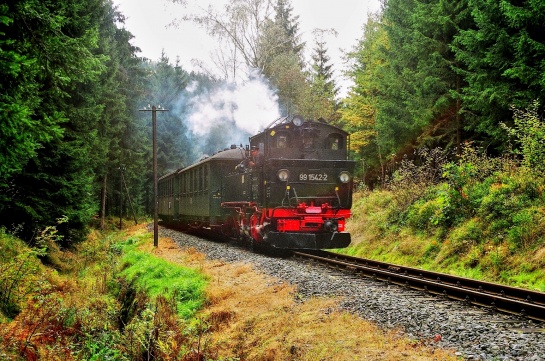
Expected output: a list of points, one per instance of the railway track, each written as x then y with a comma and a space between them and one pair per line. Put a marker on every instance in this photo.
512, 300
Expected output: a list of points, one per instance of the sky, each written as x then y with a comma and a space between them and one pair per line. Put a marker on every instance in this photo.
149, 22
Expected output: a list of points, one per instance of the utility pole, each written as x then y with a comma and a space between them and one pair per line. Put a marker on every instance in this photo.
154, 111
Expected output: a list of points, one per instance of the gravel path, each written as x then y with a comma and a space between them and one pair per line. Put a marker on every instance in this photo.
474, 333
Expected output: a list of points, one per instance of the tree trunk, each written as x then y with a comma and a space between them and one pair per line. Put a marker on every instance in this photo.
103, 201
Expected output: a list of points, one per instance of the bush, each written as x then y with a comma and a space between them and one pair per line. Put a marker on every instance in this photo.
528, 228
431, 212
410, 181
19, 270
529, 132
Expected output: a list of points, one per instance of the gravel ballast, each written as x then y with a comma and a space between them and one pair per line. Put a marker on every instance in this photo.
475, 333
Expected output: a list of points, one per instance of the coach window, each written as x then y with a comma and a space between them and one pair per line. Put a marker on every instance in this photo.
195, 181
335, 141
200, 178
192, 175
205, 177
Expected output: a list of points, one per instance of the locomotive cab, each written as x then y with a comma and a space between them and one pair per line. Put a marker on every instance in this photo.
301, 190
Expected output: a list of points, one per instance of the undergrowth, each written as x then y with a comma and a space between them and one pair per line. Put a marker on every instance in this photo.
483, 217
102, 300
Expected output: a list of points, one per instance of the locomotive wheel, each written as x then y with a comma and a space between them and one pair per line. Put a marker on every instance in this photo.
230, 228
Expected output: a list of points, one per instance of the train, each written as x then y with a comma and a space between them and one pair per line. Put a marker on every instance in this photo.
289, 188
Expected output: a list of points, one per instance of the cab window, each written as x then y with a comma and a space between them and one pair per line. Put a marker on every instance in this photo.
282, 141
334, 141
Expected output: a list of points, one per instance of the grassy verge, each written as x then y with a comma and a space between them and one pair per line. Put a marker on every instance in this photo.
484, 219
104, 300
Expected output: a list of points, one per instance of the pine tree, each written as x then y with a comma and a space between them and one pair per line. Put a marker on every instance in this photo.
119, 145
167, 84
22, 133
284, 65
503, 56
62, 40
322, 102
360, 107
290, 27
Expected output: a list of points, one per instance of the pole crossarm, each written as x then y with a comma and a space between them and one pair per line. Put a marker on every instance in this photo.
154, 109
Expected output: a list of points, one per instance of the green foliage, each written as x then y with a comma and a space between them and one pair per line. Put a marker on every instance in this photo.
463, 238
102, 346
502, 56
410, 181
405, 73
57, 42
439, 73
433, 211
21, 133
78, 315
484, 218
527, 228
19, 267
529, 132
158, 277
322, 101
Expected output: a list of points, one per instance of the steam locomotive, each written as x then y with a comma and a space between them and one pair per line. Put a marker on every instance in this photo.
290, 188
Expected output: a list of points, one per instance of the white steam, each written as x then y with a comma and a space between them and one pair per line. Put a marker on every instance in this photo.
249, 107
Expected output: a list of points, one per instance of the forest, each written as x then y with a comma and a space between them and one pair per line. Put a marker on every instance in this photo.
426, 74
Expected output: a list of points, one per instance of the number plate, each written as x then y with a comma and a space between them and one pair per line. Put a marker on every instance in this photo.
313, 177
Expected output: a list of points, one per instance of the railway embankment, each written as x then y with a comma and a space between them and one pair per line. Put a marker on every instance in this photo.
469, 332
479, 217
117, 297
120, 298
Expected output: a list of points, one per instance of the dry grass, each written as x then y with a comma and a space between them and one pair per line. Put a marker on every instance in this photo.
255, 317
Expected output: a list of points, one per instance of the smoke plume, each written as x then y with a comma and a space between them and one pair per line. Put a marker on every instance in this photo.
220, 114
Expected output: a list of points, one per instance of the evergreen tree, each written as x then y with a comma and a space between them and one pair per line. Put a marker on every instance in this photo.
323, 92
504, 59
284, 65
22, 133
419, 78
166, 85
58, 40
359, 109
290, 28
120, 145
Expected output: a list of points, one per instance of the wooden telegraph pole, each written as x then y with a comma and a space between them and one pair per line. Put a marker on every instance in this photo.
154, 111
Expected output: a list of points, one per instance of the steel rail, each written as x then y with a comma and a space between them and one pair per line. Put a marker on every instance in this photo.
507, 299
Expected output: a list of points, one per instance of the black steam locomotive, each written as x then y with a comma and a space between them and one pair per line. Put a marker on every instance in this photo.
290, 188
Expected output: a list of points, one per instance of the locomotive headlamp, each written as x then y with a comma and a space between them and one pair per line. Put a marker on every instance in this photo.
344, 177
298, 120
283, 175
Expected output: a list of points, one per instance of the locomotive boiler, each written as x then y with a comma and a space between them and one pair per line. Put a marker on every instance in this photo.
290, 188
